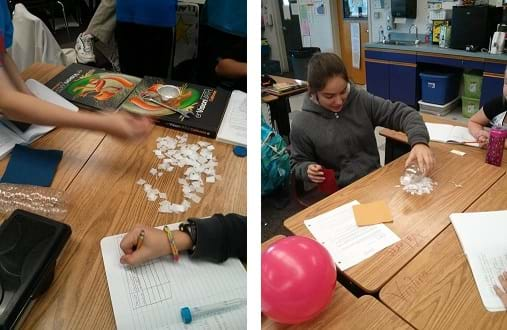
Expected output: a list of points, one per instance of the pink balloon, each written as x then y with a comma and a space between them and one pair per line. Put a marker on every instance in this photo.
298, 277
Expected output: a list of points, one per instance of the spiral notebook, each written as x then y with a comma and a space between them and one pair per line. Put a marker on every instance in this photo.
150, 296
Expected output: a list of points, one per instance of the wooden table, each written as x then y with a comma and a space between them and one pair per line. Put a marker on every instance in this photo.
417, 219
279, 104
105, 201
436, 289
344, 312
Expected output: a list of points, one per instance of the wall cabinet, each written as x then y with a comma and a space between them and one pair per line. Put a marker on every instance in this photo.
394, 75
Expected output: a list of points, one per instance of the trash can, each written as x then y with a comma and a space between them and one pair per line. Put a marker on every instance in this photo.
299, 58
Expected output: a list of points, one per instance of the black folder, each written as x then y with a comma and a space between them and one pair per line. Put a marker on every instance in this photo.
29, 247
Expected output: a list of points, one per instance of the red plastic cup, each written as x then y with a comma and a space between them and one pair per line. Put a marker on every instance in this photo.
329, 184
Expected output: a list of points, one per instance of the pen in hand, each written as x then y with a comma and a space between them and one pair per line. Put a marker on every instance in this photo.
140, 240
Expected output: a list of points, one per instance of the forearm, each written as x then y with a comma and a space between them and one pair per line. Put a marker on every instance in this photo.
26, 108
475, 128
231, 68
13, 74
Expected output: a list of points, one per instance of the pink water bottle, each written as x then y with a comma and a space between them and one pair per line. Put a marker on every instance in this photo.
497, 137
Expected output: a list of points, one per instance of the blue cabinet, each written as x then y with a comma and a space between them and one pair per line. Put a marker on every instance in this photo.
392, 76
377, 78
403, 84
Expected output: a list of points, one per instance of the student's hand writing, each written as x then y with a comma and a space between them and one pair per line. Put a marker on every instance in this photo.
502, 294
482, 137
155, 244
422, 155
127, 126
315, 173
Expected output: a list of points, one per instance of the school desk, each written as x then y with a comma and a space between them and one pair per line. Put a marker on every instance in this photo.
279, 104
345, 311
105, 200
417, 219
77, 144
436, 289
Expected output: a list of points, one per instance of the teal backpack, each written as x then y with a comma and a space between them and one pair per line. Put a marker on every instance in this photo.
275, 167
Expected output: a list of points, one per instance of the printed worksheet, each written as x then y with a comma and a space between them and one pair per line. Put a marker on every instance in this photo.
348, 243
150, 296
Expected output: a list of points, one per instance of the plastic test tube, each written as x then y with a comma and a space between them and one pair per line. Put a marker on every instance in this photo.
190, 313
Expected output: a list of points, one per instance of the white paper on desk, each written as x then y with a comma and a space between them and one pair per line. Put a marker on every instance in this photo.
482, 237
150, 296
233, 128
348, 243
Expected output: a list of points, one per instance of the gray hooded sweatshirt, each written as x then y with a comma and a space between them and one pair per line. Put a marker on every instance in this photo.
345, 141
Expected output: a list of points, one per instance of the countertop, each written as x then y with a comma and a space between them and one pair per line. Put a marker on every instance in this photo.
430, 48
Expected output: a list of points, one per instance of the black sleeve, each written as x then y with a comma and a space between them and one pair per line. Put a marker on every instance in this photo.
494, 107
220, 237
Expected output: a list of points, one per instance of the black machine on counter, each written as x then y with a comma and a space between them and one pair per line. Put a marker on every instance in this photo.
29, 247
473, 26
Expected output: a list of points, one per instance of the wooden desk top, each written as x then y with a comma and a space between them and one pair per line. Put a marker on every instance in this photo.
348, 312
106, 200
436, 290
417, 219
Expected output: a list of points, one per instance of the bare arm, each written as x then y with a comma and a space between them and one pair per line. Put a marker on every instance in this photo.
231, 68
19, 106
12, 71
476, 127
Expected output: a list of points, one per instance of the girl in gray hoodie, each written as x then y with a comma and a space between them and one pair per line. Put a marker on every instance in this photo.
335, 128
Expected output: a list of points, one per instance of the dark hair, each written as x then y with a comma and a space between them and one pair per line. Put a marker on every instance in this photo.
322, 67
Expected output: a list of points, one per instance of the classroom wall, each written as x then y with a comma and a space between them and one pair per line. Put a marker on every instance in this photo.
383, 11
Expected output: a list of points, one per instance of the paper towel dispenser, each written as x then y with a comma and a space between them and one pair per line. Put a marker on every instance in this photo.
404, 8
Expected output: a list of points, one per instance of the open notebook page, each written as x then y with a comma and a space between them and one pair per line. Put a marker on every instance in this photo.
233, 128
482, 237
150, 296
448, 133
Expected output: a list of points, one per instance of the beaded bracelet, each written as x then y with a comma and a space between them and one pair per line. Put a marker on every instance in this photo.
174, 249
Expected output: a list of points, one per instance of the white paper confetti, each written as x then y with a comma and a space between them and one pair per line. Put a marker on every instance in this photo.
196, 159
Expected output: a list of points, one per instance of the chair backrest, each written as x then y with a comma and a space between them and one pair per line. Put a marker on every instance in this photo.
187, 32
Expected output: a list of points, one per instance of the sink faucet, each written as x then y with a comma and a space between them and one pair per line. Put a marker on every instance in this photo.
381, 35
410, 31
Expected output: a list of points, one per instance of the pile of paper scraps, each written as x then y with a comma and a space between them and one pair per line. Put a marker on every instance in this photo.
177, 153
414, 182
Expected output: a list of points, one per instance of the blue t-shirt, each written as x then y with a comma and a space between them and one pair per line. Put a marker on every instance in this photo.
5, 27
147, 12
227, 16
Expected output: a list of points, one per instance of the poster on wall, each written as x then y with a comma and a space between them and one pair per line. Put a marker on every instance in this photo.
355, 40
355, 8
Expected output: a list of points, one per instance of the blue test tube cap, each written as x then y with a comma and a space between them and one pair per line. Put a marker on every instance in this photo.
186, 315
239, 151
